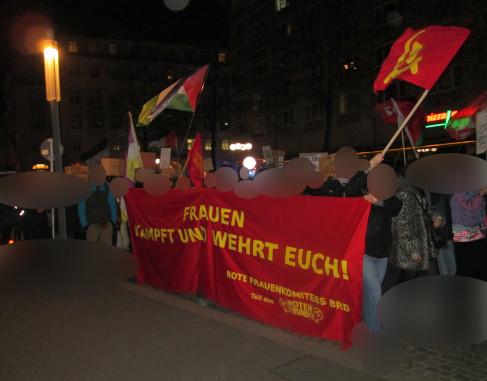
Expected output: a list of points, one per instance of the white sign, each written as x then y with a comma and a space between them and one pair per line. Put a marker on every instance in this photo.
314, 158
267, 152
45, 149
165, 158
481, 127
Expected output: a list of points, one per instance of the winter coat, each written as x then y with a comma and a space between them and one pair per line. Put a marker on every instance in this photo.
99, 208
332, 187
411, 231
379, 234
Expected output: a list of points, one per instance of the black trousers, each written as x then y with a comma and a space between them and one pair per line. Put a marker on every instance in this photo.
471, 259
395, 275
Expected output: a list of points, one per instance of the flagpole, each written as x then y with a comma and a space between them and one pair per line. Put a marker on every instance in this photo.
403, 149
194, 114
405, 122
184, 167
408, 133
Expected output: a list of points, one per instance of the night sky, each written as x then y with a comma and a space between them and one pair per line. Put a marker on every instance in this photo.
202, 22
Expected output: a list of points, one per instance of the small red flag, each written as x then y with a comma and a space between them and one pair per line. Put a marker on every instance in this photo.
387, 112
420, 56
171, 140
394, 112
195, 162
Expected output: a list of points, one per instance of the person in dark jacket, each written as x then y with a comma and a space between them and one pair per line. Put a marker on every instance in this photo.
98, 214
342, 187
442, 221
35, 224
378, 244
378, 239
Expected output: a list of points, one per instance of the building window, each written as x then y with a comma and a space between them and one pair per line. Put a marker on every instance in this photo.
259, 70
116, 148
382, 53
76, 122
190, 143
396, 90
457, 76
95, 72
313, 111
348, 103
72, 47
225, 145
449, 80
37, 124
93, 47
96, 121
76, 145
74, 71
95, 100
222, 57
287, 117
75, 96
350, 65
281, 4
207, 145
112, 49
387, 14
286, 29
116, 123
225, 125
260, 126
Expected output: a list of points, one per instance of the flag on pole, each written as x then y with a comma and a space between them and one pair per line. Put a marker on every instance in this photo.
133, 158
420, 56
414, 130
171, 140
182, 95
387, 112
195, 162
461, 125
394, 112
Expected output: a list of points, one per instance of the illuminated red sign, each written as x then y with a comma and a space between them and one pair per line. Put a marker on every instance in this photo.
439, 116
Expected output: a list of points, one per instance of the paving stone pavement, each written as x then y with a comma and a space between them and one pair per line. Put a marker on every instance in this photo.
455, 363
468, 363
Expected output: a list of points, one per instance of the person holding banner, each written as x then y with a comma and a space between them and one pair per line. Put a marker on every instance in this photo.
378, 239
378, 245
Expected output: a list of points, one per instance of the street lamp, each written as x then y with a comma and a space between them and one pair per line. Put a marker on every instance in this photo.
53, 96
249, 162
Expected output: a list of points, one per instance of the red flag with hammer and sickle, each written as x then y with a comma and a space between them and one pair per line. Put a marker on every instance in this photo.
195, 162
420, 56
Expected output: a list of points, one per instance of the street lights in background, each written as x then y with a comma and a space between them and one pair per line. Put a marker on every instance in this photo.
53, 96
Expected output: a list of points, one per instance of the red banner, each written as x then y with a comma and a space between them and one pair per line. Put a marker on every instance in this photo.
294, 263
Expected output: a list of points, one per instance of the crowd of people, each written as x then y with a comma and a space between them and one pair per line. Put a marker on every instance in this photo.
415, 233
412, 234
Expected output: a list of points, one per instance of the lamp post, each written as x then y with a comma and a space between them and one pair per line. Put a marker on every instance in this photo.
53, 96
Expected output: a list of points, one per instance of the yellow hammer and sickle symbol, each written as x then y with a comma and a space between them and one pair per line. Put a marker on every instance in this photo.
409, 59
